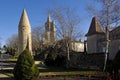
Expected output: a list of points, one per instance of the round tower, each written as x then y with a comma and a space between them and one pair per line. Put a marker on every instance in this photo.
24, 33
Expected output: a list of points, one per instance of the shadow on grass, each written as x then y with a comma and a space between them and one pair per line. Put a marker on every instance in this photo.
7, 73
6, 79
62, 69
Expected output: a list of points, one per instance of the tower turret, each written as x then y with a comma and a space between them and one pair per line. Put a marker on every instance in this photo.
94, 34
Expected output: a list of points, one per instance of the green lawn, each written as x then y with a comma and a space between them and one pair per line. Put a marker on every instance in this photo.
63, 73
57, 71
72, 73
12, 59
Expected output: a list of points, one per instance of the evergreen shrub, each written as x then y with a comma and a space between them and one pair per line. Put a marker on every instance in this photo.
50, 59
25, 68
60, 61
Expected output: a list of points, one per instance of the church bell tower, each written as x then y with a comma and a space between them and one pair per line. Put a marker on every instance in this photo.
50, 32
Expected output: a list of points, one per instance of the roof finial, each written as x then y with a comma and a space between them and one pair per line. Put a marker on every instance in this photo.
49, 18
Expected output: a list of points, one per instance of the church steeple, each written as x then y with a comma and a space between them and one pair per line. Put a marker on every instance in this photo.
94, 27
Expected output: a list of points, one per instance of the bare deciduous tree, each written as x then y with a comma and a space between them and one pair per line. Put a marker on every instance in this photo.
37, 35
11, 46
108, 14
67, 21
12, 41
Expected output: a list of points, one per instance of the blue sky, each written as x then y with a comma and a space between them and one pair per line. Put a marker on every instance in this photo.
10, 13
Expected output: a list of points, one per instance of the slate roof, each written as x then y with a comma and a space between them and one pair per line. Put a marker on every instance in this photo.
94, 27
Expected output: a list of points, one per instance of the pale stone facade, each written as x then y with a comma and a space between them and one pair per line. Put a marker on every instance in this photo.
77, 46
93, 45
50, 32
96, 41
94, 34
24, 33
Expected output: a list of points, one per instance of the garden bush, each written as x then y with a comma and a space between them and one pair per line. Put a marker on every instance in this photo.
25, 69
60, 61
50, 59
116, 61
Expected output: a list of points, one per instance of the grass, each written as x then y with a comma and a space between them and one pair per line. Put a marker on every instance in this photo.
8, 72
58, 71
71, 73
52, 69
62, 73
12, 59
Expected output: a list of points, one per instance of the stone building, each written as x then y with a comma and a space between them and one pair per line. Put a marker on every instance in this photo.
50, 32
77, 46
96, 40
94, 34
114, 42
24, 33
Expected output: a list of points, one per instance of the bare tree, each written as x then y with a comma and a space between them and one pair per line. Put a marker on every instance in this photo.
12, 41
11, 46
37, 35
67, 21
108, 14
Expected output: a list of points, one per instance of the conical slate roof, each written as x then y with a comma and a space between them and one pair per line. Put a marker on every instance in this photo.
24, 21
94, 27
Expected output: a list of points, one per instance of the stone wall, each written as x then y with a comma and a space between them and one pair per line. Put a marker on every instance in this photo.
114, 48
87, 61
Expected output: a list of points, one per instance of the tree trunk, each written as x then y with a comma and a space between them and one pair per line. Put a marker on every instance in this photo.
68, 52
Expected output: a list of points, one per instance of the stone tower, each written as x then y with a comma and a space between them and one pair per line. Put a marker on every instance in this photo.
50, 32
94, 35
24, 33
